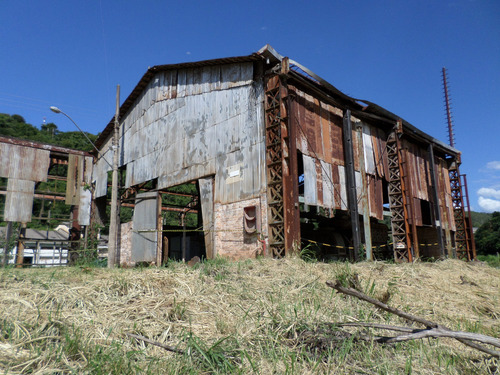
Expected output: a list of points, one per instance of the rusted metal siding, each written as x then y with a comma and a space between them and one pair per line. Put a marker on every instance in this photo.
191, 123
23, 163
319, 138
19, 200
22, 166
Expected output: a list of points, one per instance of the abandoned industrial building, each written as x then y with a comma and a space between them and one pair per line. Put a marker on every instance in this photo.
257, 155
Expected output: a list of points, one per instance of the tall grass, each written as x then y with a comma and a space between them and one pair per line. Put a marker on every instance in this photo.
258, 316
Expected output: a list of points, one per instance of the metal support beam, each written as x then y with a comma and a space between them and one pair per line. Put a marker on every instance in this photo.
464, 237
352, 200
281, 168
401, 232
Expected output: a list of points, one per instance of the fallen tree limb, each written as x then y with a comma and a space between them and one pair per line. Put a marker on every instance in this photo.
432, 329
156, 343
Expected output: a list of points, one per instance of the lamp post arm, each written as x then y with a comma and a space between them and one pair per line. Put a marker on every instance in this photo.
85, 135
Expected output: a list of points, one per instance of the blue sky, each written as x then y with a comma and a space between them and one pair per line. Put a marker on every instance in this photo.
72, 54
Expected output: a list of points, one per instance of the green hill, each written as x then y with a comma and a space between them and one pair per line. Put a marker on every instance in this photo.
16, 126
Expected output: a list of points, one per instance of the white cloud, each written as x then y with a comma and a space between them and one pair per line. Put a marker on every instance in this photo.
489, 205
493, 165
489, 192
188, 52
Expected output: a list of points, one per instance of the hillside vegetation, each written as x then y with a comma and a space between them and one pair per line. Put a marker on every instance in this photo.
260, 316
16, 126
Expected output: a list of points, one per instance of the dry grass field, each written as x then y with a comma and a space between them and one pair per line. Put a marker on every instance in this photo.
258, 316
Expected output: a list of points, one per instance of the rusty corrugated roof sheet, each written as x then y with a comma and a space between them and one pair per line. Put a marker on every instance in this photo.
43, 146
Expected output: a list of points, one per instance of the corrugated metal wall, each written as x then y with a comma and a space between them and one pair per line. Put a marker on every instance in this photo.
319, 139
192, 123
23, 166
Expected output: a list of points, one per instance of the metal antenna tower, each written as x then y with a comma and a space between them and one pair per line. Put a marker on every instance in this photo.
447, 103
464, 235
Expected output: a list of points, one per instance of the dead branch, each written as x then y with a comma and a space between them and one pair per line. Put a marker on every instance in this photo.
376, 325
156, 343
432, 329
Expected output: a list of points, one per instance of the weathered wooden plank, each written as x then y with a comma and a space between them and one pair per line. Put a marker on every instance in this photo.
144, 244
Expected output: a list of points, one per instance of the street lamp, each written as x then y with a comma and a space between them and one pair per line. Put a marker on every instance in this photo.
57, 110
114, 219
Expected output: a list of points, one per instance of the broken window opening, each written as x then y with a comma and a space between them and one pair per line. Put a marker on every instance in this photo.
183, 236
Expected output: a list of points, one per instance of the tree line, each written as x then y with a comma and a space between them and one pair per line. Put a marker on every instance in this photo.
16, 126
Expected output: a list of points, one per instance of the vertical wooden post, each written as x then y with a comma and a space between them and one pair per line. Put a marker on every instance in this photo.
20, 246
113, 224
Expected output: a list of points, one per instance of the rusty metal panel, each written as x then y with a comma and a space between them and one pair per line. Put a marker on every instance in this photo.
319, 181
376, 197
325, 132
336, 134
308, 124
379, 140
24, 163
144, 235
336, 187
19, 200
310, 185
343, 190
4, 158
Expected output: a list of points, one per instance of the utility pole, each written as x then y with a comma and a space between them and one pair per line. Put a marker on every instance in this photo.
113, 223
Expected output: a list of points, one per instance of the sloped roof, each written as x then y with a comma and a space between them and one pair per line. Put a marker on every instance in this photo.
359, 107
